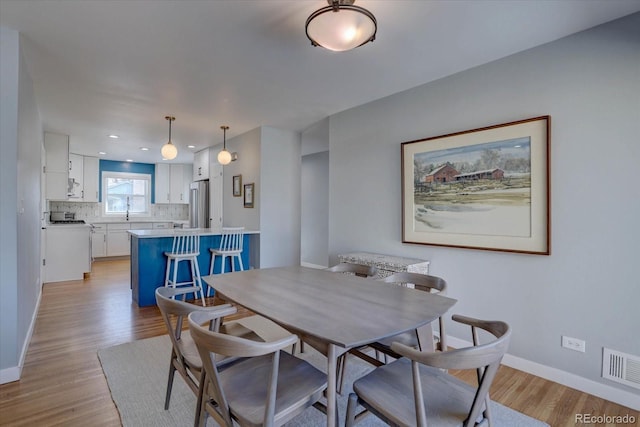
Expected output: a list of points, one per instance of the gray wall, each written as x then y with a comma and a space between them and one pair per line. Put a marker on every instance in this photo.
314, 239
21, 142
588, 288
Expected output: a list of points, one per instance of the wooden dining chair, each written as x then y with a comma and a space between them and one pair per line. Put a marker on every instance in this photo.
184, 355
359, 270
415, 388
422, 282
268, 387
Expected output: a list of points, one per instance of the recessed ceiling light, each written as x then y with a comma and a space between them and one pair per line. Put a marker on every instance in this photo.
114, 136
191, 146
129, 160
144, 148
102, 153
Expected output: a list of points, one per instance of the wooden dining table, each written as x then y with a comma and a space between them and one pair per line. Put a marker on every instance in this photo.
332, 312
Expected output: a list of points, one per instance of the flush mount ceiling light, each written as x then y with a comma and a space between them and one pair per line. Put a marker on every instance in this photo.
169, 151
341, 26
224, 156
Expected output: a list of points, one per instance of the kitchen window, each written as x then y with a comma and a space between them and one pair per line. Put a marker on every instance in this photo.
126, 194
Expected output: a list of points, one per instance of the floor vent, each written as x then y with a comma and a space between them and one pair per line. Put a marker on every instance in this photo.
621, 367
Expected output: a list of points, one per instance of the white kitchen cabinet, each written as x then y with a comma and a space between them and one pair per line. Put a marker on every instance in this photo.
99, 241
162, 183
76, 176
118, 239
91, 174
68, 252
57, 165
180, 178
201, 165
215, 195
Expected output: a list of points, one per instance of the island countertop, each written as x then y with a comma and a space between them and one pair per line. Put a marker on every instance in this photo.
170, 232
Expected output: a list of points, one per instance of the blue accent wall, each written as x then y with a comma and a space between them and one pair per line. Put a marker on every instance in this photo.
116, 166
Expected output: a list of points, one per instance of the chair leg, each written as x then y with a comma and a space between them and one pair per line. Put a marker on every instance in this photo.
342, 365
199, 279
199, 404
351, 410
166, 274
172, 372
223, 264
240, 262
176, 264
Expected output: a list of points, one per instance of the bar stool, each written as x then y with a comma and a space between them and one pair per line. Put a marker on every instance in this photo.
186, 247
230, 247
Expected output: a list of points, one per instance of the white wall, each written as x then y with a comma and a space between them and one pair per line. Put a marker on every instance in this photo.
21, 142
588, 288
314, 238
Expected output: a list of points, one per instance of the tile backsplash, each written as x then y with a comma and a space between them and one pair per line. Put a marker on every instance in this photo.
92, 212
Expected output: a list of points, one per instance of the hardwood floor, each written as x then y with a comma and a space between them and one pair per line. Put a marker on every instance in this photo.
62, 381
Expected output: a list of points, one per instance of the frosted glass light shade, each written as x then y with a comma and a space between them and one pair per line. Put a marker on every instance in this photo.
344, 29
169, 151
224, 157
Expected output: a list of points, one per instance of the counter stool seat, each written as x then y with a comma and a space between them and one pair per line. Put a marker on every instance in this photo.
186, 247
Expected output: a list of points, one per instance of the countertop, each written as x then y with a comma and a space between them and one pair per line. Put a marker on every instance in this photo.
166, 232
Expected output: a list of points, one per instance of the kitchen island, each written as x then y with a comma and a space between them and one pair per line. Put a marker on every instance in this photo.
148, 262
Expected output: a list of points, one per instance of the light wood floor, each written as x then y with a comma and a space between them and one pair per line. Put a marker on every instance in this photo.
62, 381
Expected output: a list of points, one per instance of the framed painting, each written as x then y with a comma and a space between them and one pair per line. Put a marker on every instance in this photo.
248, 195
484, 188
237, 186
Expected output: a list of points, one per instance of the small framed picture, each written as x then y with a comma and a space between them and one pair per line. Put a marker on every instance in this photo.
248, 195
237, 185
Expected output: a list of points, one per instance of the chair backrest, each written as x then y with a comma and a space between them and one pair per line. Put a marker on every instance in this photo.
185, 242
213, 344
423, 282
360, 270
231, 239
485, 358
173, 311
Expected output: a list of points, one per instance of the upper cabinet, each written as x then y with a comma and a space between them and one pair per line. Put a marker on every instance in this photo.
91, 183
163, 180
172, 183
179, 180
57, 165
201, 165
76, 177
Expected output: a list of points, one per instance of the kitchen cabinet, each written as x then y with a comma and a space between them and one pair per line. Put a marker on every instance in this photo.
91, 176
179, 180
68, 252
118, 239
162, 225
99, 241
76, 177
201, 165
56, 165
162, 183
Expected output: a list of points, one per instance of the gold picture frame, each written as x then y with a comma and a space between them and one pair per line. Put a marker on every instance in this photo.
486, 188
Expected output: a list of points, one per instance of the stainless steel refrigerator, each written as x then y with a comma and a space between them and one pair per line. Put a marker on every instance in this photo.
199, 204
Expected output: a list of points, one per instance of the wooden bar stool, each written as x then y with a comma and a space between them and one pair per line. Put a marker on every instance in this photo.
186, 247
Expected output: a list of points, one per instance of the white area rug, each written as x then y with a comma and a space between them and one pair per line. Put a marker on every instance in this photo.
137, 376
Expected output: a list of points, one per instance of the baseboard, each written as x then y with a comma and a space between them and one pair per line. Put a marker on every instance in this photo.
603, 391
12, 374
308, 264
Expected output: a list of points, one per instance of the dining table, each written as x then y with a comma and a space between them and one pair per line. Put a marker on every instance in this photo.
333, 312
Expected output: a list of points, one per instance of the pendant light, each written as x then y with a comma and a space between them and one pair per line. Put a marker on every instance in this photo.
169, 151
341, 26
224, 157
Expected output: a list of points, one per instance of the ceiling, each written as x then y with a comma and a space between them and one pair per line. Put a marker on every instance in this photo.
119, 67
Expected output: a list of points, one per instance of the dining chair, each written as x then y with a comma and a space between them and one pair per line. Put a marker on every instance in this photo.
185, 247
422, 282
416, 388
268, 387
360, 270
184, 355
